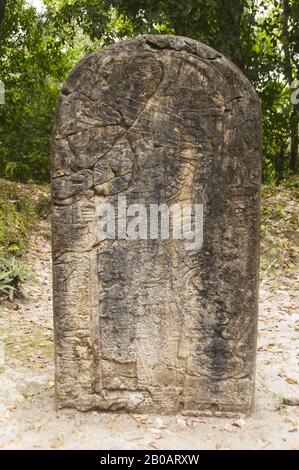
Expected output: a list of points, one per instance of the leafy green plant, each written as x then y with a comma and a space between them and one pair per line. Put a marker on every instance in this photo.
13, 273
38, 49
6, 289
20, 207
35, 58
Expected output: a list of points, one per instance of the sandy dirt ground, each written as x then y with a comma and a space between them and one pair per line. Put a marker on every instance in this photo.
28, 419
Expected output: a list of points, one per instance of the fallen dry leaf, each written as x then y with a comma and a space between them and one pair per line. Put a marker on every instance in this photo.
290, 401
239, 423
291, 381
194, 421
141, 419
227, 428
12, 407
153, 445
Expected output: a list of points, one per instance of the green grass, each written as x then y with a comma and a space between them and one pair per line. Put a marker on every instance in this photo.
20, 207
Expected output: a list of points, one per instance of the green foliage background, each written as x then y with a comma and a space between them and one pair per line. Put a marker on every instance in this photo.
38, 49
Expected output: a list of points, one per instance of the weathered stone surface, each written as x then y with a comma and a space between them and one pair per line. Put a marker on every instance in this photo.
148, 325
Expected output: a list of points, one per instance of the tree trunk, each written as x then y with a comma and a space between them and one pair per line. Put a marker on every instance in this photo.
295, 136
289, 76
294, 140
2, 12
280, 165
229, 15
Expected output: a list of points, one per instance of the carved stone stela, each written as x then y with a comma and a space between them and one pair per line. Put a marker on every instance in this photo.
146, 325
